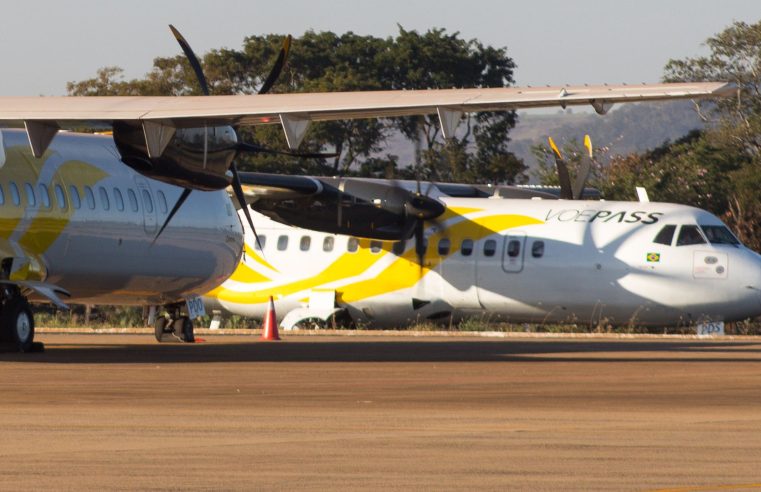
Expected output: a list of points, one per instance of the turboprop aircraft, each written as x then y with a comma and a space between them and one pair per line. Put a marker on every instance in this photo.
521, 255
142, 216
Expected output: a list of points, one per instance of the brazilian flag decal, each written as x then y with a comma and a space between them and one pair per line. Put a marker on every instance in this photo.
653, 257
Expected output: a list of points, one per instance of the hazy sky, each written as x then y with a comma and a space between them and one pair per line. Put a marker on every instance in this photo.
44, 44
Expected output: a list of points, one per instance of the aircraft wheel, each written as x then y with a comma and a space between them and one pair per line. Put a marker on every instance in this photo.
160, 328
183, 329
17, 324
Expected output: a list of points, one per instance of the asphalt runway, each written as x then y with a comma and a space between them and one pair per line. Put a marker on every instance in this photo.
123, 412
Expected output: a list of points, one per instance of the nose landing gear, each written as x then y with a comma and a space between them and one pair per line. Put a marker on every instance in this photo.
174, 328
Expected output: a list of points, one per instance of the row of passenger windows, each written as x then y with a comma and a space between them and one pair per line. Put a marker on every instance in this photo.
692, 234
444, 246
106, 197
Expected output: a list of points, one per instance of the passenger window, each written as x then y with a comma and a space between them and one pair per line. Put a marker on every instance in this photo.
665, 235
104, 198
118, 199
689, 234
398, 248
376, 246
282, 243
490, 247
132, 199
147, 201
31, 200
162, 201
466, 248
262, 241
44, 195
537, 249
327, 243
305, 243
352, 244
2, 196
15, 196
444, 246
90, 197
60, 197
513, 248
74, 194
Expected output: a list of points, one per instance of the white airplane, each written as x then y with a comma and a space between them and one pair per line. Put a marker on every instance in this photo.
142, 216
514, 259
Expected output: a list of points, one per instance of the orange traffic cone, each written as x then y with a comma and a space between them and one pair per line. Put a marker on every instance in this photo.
269, 327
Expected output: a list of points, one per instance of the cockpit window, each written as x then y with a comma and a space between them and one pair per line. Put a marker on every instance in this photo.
689, 234
665, 235
719, 235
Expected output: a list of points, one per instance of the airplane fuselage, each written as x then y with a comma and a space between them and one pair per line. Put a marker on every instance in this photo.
513, 260
80, 219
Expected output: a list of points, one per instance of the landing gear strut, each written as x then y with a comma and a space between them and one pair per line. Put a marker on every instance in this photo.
175, 327
16, 321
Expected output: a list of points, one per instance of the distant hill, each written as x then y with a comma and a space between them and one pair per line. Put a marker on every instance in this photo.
630, 128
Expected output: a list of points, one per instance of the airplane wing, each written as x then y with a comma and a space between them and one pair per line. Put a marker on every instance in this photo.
295, 110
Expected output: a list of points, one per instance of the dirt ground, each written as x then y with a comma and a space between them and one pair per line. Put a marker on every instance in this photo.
123, 412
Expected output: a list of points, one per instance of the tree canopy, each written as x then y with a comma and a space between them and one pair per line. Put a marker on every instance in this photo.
325, 61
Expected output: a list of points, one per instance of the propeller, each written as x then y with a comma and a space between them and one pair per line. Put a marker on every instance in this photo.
566, 191
241, 146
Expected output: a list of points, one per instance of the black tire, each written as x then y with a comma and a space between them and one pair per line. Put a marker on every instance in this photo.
17, 324
160, 328
183, 329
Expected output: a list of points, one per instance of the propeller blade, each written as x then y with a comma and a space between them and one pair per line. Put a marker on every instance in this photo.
247, 147
177, 205
277, 67
584, 169
566, 191
420, 245
238, 189
192, 59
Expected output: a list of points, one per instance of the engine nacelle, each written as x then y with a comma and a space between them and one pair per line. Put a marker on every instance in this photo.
194, 158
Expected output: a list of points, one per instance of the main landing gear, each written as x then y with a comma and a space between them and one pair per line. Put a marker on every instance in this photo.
174, 327
16, 321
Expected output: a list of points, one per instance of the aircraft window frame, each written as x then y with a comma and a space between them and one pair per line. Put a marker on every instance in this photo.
44, 195
74, 197
444, 246
513, 248
684, 241
118, 199
282, 242
352, 245
466, 247
490, 248
31, 198
90, 198
161, 199
710, 233
147, 200
537, 248
399, 247
261, 242
305, 243
60, 196
328, 243
2, 195
104, 201
376, 247
15, 194
666, 233
134, 204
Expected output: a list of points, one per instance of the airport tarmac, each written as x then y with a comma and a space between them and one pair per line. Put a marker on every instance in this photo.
123, 412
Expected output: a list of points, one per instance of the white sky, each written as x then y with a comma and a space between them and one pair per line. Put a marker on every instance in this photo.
45, 43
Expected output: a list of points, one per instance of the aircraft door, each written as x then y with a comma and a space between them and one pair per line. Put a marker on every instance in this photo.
145, 199
514, 252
